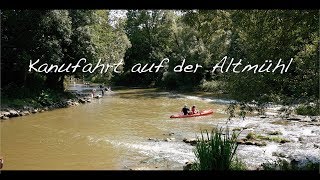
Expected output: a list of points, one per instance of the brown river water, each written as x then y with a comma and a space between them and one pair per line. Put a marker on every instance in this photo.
110, 133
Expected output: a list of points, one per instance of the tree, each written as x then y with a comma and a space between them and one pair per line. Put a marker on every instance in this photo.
151, 38
260, 35
56, 37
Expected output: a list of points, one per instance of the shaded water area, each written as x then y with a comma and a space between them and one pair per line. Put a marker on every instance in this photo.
110, 133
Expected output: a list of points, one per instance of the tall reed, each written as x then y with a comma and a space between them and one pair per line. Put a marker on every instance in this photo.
216, 151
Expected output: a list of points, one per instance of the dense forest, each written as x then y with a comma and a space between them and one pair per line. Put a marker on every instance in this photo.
202, 37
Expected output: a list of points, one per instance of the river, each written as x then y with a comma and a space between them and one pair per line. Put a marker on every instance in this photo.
111, 133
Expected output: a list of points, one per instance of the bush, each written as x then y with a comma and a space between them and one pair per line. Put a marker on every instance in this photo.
308, 110
48, 97
238, 165
213, 86
216, 151
251, 135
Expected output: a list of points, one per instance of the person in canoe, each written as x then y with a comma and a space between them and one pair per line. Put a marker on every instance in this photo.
185, 110
194, 110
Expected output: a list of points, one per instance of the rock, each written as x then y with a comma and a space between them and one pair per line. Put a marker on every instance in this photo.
314, 124
293, 119
279, 154
284, 141
240, 141
281, 122
191, 141
317, 132
21, 114
5, 113
237, 129
188, 166
250, 126
249, 143
26, 108
82, 101
34, 111
316, 145
263, 116
170, 134
26, 113
13, 113
46, 108
305, 120
153, 139
274, 133
260, 143
169, 139
5, 117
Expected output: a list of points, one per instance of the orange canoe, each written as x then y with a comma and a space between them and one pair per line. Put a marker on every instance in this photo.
201, 113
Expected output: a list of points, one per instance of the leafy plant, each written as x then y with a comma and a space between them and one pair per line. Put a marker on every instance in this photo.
215, 151
308, 110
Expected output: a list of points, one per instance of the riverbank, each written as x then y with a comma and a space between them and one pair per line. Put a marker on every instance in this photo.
270, 141
265, 141
50, 100
102, 132
30, 106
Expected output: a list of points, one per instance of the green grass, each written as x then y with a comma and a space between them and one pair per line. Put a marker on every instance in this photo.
274, 139
216, 151
238, 165
308, 110
253, 136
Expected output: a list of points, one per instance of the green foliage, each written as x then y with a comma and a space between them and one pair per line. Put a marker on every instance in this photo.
151, 36
241, 109
110, 44
216, 151
19, 103
231, 110
308, 110
55, 37
260, 35
275, 139
201, 37
251, 135
213, 86
48, 97
41, 99
238, 165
